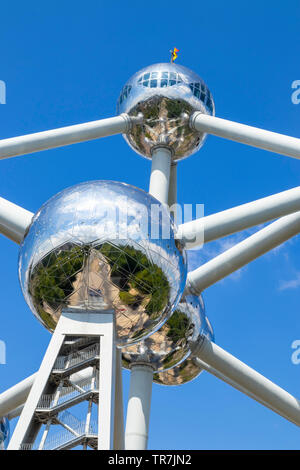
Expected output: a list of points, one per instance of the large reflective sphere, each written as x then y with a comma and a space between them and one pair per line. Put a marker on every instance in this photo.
187, 369
99, 245
166, 94
4, 433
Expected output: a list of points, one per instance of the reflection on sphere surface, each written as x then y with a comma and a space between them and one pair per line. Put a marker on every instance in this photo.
188, 369
167, 94
90, 247
4, 433
168, 350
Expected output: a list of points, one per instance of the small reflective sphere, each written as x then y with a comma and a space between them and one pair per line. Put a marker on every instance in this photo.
4, 433
172, 344
166, 94
97, 245
187, 369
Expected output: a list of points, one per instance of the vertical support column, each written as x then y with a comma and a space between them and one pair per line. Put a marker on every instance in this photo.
172, 198
45, 434
138, 411
160, 174
119, 443
107, 386
89, 413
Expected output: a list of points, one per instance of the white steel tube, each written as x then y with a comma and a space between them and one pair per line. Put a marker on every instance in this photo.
172, 197
13, 399
160, 174
14, 220
119, 443
260, 138
15, 413
138, 411
234, 384
215, 226
15, 396
249, 381
65, 136
243, 253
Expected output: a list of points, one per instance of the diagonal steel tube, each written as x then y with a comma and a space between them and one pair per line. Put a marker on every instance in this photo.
230, 382
54, 138
231, 370
243, 253
14, 220
253, 136
222, 224
13, 399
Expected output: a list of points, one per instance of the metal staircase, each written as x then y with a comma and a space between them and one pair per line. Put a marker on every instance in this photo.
76, 354
77, 388
69, 438
78, 359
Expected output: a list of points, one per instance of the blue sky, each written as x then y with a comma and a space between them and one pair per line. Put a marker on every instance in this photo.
65, 63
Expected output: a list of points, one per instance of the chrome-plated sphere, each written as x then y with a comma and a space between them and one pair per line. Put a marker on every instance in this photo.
188, 369
97, 245
166, 94
4, 433
173, 342
172, 345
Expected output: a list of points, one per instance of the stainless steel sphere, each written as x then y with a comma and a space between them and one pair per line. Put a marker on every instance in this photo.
166, 94
4, 433
172, 343
96, 246
188, 369
170, 346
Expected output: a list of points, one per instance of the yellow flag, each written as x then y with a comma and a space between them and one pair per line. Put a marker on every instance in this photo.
174, 54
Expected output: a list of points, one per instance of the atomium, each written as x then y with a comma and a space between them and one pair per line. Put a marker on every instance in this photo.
169, 350
4, 433
92, 246
166, 95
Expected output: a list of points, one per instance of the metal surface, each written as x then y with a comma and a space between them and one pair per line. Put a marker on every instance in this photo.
139, 405
119, 443
260, 138
188, 369
172, 344
164, 349
160, 174
54, 138
4, 433
15, 396
172, 197
13, 399
79, 335
237, 385
221, 224
242, 253
91, 248
14, 220
167, 94
243, 377
98, 245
